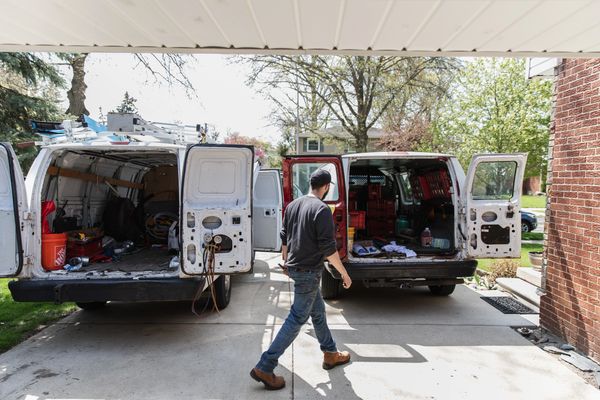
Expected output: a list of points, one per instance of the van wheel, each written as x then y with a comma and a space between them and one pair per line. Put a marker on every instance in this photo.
223, 291
442, 290
92, 305
330, 287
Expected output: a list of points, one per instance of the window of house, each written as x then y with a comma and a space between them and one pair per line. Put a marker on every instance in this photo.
313, 145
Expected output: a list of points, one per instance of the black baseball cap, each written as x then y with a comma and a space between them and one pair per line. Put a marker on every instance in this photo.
320, 178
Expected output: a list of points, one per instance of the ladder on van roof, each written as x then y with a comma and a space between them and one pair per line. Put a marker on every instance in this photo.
121, 128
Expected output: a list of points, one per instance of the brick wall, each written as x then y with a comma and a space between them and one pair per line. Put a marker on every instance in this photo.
571, 306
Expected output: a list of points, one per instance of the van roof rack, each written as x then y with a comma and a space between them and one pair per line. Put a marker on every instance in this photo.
121, 128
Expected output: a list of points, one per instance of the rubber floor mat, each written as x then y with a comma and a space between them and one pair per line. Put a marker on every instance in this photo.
508, 305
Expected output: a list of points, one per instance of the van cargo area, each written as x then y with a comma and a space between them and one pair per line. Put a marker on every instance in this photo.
116, 209
392, 201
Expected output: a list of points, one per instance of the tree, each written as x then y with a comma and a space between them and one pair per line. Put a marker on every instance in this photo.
494, 108
356, 91
168, 68
127, 104
29, 89
261, 148
76, 93
407, 122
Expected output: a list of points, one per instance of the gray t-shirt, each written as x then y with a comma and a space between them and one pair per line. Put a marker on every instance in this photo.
309, 233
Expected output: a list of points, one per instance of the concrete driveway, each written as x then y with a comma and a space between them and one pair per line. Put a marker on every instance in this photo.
404, 345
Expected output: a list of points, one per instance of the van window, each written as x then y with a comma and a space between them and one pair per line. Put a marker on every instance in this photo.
407, 195
301, 179
494, 180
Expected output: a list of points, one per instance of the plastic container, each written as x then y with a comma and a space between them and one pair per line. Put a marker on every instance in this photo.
54, 251
440, 243
350, 237
426, 238
357, 219
401, 224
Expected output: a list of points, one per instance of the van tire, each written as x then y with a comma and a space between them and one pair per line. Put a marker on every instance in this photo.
92, 305
330, 287
442, 290
222, 291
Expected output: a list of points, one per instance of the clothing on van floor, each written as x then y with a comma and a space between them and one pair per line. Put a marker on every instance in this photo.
309, 233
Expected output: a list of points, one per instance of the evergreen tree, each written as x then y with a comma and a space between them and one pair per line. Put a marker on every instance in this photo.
29, 89
127, 105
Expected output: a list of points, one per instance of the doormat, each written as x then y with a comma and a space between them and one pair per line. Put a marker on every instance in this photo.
508, 305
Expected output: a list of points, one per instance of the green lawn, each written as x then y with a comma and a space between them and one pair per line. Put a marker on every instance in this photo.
20, 320
533, 201
485, 263
532, 236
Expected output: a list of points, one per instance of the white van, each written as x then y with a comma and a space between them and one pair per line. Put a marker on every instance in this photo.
395, 196
140, 178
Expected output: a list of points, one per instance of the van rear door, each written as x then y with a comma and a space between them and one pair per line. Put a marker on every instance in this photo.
493, 200
13, 205
296, 183
216, 208
267, 211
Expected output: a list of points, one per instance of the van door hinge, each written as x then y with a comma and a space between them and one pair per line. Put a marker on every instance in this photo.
28, 261
27, 216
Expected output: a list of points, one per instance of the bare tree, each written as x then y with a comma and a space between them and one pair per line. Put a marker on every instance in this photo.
356, 91
167, 68
407, 121
76, 93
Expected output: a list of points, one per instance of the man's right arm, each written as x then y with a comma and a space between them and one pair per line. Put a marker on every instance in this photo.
335, 260
327, 244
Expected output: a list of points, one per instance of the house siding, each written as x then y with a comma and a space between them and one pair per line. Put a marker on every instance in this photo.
338, 147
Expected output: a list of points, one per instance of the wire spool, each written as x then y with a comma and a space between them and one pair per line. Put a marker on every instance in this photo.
157, 225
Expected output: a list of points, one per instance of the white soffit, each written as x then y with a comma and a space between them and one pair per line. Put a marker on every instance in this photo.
548, 28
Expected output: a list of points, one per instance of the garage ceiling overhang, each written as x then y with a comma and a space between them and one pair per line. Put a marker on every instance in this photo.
548, 28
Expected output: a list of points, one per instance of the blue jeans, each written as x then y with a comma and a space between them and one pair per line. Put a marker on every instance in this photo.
307, 302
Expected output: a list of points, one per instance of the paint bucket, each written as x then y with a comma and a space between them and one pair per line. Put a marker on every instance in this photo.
54, 251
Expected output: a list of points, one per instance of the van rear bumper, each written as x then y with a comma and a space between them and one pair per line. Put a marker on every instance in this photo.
408, 270
59, 291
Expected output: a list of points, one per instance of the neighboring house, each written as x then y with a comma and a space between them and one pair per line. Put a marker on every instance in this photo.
336, 141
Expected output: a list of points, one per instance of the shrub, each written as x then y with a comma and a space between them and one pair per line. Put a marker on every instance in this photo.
503, 269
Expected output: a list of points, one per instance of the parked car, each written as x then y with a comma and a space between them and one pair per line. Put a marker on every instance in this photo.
131, 184
528, 221
389, 199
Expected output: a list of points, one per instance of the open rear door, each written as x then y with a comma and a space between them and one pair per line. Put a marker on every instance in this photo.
12, 207
267, 211
216, 208
296, 183
493, 202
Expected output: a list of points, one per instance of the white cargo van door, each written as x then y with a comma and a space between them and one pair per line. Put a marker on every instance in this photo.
267, 211
493, 201
12, 207
216, 208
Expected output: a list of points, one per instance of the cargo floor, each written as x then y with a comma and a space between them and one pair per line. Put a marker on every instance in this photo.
146, 259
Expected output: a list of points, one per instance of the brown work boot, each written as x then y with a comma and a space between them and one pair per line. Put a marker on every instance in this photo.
333, 358
271, 381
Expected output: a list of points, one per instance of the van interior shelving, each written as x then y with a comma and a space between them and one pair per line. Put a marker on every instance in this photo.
395, 200
117, 207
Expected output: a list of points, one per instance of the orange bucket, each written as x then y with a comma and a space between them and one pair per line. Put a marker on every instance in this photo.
54, 251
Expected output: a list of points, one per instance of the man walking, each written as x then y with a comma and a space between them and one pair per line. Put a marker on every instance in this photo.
308, 237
